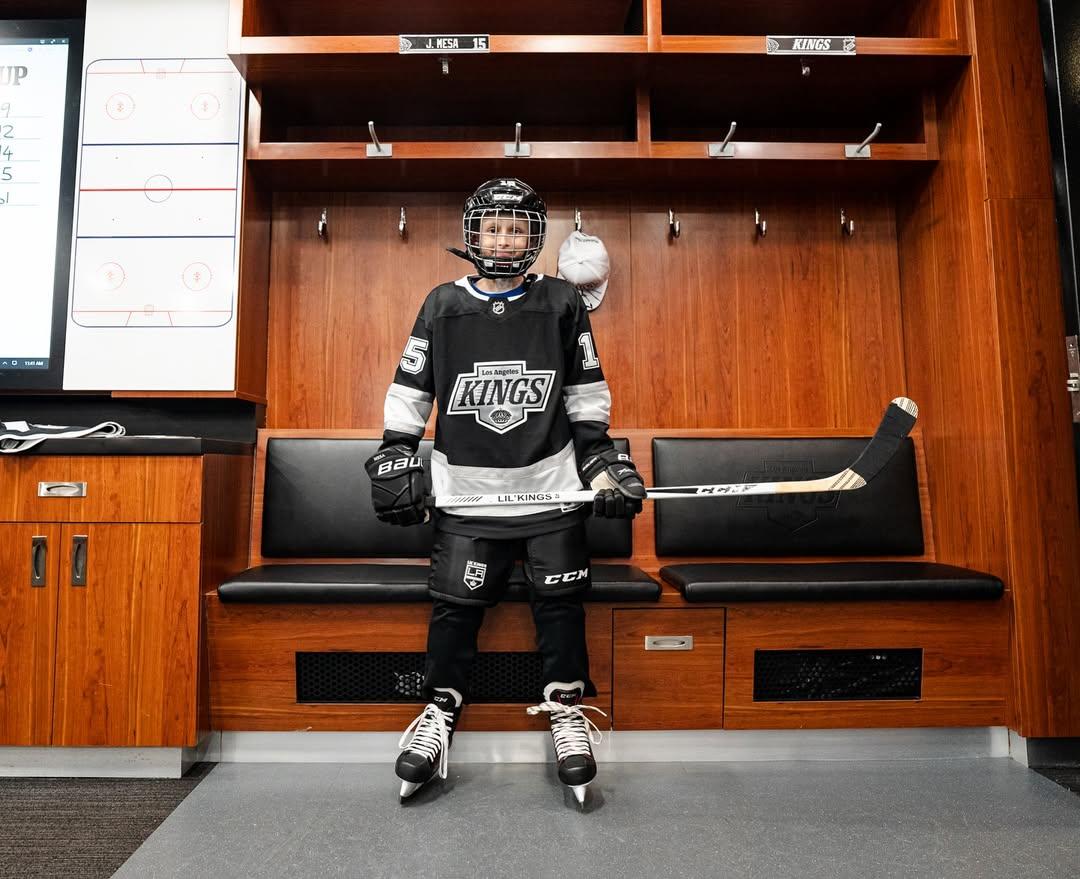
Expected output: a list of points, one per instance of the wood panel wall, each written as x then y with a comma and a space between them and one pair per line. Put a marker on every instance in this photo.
718, 328
984, 333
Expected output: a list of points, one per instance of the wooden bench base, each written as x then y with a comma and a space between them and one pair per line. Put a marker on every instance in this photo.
253, 662
964, 647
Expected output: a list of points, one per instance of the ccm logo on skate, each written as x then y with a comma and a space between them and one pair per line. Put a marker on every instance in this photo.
569, 577
398, 464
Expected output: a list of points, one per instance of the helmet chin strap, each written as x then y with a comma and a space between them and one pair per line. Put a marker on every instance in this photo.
475, 263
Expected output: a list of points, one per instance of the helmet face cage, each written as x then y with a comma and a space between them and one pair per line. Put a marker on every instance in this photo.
520, 233
504, 215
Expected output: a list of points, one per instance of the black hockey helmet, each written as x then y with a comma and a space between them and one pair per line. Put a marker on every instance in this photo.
503, 199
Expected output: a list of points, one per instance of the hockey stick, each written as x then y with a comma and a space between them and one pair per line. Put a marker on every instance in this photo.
895, 425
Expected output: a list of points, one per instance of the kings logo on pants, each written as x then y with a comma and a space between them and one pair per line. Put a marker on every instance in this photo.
500, 395
474, 574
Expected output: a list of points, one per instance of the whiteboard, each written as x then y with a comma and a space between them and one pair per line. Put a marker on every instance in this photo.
156, 238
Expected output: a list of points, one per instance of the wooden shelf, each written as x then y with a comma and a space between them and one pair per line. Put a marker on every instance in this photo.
755, 45
266, 60
260, 59
290, 17
861, 18
335, 151
757, 150
635, 109
292, 168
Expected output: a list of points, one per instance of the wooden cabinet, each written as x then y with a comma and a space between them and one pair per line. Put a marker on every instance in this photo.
100, 609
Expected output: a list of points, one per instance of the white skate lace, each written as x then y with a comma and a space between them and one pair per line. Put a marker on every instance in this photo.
431, 735
571, 730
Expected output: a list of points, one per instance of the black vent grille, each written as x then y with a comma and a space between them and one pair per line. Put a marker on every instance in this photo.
398, 677
837, 675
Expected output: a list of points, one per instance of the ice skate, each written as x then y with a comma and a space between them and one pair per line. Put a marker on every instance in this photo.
426, 742
572, 733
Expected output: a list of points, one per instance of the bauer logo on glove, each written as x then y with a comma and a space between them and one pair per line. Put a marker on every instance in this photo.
398, 486
619, 487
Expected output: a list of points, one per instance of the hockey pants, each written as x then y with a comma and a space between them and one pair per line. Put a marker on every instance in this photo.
470, 574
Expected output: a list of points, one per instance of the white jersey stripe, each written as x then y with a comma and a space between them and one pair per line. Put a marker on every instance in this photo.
555, 473
588, 402
406, 409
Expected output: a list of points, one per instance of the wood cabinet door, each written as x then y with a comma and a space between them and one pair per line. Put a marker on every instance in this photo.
127, 636
28, 564
669, 668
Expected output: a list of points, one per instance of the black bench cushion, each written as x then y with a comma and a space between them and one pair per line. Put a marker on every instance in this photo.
881, 519
317, 504
370, 583
840, 581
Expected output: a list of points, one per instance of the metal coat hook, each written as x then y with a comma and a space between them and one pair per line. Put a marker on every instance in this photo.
760, 226
804, 66
403, 225
517, 149
862, 151
846, 226
674, 226
577, 220
444, 60
375, 148
322, 227
726, 149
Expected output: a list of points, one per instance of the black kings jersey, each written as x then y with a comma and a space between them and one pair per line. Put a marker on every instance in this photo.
520, 396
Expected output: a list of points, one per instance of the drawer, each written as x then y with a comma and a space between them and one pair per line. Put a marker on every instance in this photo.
115, 489
669, 669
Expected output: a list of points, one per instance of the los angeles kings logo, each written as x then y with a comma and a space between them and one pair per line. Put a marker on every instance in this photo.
500, 395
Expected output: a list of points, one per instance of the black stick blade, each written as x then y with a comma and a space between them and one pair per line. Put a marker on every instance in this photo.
897, 423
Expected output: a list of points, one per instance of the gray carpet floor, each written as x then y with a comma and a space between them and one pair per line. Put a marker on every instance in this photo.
82, 828
964, 818
951, 818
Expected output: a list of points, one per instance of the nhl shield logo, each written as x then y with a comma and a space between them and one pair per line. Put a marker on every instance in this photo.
474, 574
498, 307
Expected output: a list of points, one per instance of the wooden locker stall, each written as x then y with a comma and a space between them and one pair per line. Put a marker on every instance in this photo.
813, 275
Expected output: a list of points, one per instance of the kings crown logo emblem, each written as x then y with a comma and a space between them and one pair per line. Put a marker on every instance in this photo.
474, 574
794, 511
500, 395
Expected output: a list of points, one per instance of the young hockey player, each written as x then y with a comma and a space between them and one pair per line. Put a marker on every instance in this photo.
522, 407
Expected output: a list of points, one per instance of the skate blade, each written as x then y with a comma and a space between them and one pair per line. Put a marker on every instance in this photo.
408, 788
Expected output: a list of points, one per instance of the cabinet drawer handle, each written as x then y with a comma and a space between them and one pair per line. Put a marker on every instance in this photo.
78, 560
61, 489
669, 642
39, 560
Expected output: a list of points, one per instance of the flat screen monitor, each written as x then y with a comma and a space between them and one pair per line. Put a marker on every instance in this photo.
40, 84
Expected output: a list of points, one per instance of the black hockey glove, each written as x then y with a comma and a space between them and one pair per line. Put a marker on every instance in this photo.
618, 485
398, 487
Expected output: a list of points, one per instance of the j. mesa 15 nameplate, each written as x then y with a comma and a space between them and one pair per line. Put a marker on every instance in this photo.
442, 44
809, 45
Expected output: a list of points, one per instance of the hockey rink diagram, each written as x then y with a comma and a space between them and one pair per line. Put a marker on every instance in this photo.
156, 231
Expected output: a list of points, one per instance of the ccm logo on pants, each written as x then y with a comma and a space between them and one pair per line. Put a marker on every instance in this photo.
569, 577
